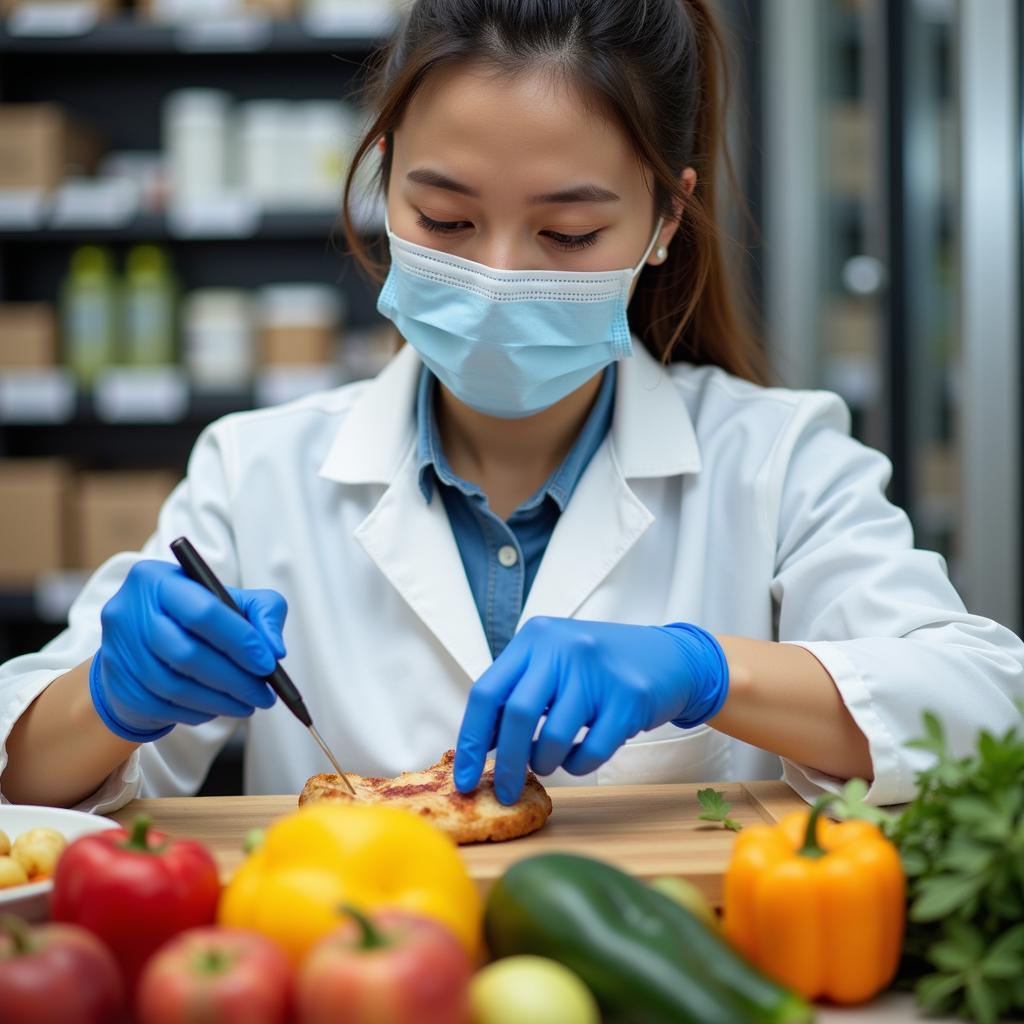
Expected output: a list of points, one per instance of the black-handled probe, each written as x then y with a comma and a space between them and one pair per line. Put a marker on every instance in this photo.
197, 569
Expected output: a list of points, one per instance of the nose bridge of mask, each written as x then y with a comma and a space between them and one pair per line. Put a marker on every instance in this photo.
633, 272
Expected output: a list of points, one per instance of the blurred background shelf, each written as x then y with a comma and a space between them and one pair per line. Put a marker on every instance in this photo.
130, 35
19, 607
207, 154
46, 601
266, 225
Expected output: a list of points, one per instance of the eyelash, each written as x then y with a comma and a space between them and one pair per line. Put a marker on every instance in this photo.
567, 242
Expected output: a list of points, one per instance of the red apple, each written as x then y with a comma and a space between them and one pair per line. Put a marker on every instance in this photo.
393, 967
227, 975
57, 974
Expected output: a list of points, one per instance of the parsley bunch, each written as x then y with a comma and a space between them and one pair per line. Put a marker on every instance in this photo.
962, 845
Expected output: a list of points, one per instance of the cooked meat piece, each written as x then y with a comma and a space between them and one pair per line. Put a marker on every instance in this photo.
468, 818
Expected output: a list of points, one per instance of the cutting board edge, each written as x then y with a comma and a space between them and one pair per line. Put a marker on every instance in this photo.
773, 799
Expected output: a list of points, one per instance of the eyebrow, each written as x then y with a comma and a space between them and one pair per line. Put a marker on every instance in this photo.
578, 194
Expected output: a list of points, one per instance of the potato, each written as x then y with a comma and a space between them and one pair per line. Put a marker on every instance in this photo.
37, 851
5, 843
11, 873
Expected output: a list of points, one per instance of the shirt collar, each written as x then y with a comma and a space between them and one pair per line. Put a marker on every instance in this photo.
432, 464
652, 434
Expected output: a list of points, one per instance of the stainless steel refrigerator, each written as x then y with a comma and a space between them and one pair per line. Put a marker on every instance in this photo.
889, 193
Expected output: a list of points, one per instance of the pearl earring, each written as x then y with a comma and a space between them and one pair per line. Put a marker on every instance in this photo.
662, 254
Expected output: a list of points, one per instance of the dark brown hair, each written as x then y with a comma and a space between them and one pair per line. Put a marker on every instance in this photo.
657, 66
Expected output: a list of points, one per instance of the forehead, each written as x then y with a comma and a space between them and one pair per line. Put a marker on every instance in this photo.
532, 130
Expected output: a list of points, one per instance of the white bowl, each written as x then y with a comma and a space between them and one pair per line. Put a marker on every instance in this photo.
32, 902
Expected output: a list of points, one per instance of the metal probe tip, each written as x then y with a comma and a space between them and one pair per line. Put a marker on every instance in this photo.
332, 759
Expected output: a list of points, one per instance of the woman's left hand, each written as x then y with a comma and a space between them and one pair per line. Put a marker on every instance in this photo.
616, 679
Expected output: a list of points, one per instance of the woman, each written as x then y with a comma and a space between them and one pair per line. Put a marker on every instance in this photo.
545, 516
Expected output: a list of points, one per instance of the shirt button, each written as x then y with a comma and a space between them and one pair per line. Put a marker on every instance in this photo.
508, 556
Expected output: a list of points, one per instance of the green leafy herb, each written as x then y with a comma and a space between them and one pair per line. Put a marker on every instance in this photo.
851, 803
253, 840
716, 808
962, 845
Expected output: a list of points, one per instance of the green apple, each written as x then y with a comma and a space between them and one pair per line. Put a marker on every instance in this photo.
531, 988
686, 894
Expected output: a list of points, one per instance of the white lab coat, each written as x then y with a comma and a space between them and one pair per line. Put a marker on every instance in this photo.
746, 510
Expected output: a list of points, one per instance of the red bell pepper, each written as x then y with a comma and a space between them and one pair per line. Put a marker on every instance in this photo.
135, 890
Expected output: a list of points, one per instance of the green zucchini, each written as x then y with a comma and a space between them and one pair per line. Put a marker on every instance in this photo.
647, 959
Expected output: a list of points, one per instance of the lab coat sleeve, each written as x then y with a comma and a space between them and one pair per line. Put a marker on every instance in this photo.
882, 617
177, 763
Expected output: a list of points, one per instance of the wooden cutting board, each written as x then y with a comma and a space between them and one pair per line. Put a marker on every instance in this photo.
646, 830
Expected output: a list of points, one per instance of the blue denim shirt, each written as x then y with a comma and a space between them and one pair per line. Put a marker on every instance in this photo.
501, 558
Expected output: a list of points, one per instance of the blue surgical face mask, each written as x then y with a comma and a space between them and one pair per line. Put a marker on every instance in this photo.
509, 343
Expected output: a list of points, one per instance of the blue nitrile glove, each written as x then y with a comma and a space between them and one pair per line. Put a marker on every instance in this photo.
617, 679
172, 652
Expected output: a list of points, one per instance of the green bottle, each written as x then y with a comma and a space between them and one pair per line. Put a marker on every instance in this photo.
150, 298
89, 313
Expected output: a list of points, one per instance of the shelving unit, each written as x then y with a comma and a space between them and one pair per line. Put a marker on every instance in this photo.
115, 76
127, 34
268, 225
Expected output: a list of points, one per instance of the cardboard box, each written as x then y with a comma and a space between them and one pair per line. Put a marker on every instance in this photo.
297, 346
33, 505
28, 335
273, 8
116, 512
40, 145
177, 11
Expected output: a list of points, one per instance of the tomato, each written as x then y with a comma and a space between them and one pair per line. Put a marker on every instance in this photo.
226, 975
396, 968
135, 891
57, 974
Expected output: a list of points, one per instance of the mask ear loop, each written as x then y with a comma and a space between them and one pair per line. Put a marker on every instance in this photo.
654, 241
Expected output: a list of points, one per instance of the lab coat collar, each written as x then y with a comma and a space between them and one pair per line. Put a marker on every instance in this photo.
380, 427
652, 434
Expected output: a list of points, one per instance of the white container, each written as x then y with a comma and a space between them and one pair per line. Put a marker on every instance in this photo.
186, 11
325, 137
300, 305
265, 150
218, 339
32, 901
369, 18
197, 129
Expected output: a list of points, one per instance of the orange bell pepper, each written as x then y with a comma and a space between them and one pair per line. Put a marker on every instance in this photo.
817, 905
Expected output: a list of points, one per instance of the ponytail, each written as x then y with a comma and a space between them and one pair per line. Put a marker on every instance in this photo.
688, 308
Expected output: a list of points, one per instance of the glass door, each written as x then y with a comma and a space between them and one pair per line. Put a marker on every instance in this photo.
892, 254
988, 384
927, 356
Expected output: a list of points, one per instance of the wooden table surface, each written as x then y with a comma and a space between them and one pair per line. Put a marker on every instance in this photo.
646, 830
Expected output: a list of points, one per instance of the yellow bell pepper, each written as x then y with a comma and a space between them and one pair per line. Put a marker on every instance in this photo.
817, 905
323, 856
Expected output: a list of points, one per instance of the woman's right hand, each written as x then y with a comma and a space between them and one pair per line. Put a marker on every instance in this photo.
173, 652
